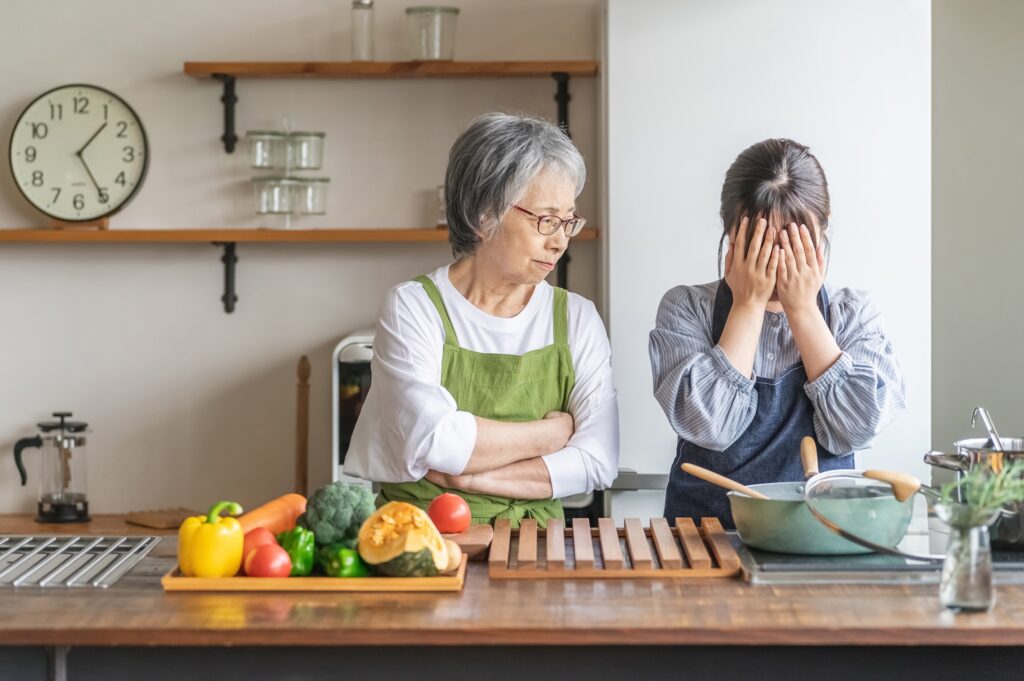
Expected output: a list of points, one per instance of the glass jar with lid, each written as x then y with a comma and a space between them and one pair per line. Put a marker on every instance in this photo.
273, 195
431, 32
310, 195
305, 150
266, 148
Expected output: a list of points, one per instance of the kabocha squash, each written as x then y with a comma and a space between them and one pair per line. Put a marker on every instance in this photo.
400, 540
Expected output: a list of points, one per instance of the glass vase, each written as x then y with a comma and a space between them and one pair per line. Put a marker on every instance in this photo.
966, 582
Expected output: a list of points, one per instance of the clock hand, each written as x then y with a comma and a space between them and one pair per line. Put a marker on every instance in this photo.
89, 141
99, 192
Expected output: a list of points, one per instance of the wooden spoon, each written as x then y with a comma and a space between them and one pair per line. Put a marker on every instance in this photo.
809, 457
721, 481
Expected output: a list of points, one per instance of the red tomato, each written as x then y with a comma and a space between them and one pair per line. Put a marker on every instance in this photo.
256, 538
450, 513
269, 560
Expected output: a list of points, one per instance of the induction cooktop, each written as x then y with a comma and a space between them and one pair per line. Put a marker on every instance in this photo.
764, 567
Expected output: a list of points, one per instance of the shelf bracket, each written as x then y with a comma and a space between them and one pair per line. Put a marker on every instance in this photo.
562, 276
230, 259
562, 98
230, 99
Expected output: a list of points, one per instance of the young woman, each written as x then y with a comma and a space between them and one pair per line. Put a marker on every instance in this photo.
746, 366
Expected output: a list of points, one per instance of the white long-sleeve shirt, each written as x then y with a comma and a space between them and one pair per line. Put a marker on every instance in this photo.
410, 423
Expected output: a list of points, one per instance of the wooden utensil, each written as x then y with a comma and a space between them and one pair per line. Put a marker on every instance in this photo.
809, 457
721, 481
161, 519
302, 427
474, 541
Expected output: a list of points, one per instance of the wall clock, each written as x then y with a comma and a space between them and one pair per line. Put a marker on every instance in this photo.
79, 153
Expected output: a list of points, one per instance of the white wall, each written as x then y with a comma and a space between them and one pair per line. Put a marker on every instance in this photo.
190, 405
978, 143
692, 83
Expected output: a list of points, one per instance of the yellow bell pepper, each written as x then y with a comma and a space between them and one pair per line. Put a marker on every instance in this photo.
211, 546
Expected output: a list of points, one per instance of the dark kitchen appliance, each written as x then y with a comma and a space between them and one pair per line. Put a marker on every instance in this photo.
764, 567
62, 469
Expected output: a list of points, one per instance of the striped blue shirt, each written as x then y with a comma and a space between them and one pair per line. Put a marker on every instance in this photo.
709, 403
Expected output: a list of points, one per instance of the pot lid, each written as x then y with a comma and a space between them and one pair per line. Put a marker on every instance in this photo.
63, 424
871, 508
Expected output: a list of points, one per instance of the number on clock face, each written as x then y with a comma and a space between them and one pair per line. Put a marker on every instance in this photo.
79, 153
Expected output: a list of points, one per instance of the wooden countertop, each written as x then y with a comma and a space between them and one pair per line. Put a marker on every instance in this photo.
136, 611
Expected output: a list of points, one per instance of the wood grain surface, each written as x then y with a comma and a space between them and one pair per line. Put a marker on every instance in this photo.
137, 611
385, 69
242, 235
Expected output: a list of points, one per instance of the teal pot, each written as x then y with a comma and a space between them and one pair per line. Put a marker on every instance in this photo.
784, 524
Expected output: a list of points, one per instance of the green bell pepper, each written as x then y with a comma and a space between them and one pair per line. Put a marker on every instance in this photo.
301, 546
338, 560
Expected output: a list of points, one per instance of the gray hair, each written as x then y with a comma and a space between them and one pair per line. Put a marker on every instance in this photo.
490, 166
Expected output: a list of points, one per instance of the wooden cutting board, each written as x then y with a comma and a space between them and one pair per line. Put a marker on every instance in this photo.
174, 581
161, 519
474, 541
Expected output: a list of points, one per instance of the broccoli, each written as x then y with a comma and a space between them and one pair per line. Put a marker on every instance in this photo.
335, 512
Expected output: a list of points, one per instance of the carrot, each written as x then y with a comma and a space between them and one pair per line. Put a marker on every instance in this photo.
277, 516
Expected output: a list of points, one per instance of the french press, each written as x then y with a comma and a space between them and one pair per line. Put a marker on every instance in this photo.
62, 469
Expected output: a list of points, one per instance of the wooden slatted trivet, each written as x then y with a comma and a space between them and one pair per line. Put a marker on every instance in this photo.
607, 551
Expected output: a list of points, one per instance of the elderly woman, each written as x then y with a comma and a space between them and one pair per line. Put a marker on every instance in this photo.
487, 381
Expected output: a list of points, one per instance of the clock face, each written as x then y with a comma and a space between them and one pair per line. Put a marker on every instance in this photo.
79, 153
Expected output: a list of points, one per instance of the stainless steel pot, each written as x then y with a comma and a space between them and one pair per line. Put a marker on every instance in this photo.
1008, 532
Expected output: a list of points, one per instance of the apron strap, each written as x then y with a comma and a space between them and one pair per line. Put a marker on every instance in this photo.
561, 316
723, 304
435, 297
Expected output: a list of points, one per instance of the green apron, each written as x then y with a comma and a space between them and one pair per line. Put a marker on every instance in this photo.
503, 388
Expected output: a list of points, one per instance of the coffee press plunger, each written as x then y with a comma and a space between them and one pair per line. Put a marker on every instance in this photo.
61, 471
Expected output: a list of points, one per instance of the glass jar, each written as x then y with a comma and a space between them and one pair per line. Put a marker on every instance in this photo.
310, 195
442, 212
431, 32
273, 195
362, 30
266, 148
966, 582
305, 150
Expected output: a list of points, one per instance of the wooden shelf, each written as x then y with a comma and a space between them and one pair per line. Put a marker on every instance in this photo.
159, 236
392, 69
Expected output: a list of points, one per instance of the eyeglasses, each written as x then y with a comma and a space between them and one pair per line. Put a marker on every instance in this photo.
549, 224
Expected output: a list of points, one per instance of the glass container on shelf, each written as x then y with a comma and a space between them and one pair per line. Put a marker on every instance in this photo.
305, 150
431, 32
362, 30
266, 148
288, 194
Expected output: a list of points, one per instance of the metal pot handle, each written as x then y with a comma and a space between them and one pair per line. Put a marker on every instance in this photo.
951, 462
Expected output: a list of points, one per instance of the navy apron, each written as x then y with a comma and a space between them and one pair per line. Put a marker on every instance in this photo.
767, 451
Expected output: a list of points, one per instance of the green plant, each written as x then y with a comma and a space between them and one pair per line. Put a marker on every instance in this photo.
983, 493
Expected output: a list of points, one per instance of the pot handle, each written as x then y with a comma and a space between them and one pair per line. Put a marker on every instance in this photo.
21, 444
903, 485
950, 462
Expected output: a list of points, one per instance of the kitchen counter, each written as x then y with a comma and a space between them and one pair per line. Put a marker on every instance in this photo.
601, 613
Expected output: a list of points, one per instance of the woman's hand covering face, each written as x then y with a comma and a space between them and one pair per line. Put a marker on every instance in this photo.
801, 269
751, 264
